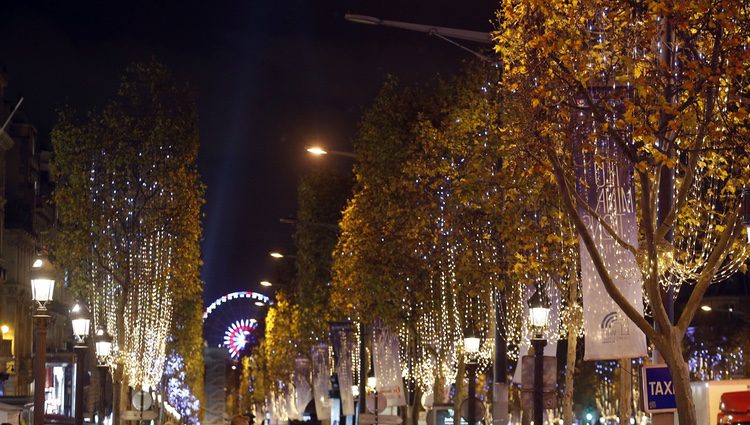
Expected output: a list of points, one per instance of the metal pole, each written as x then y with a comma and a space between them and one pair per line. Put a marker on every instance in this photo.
470, 413
40, 363
362, 371
103, 393
538, 344
500, 375
80, 351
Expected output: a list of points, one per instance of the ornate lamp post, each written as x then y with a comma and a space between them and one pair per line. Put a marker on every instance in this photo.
103, 344
42, 291
471, 349
539, 320
81, 322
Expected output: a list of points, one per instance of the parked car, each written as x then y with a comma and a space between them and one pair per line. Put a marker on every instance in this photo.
734, 408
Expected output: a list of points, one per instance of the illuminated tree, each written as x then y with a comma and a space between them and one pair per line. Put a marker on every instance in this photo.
445, 220
128, 196
665, 84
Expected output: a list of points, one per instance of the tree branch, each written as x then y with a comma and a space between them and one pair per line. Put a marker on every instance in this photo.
651, 281
718, 254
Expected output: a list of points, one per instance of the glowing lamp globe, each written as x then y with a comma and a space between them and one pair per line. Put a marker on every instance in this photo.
538, 313
80, 322
372, 381
42, 282
103, 343
471, 342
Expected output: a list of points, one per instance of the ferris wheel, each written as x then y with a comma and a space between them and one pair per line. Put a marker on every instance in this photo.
230, 322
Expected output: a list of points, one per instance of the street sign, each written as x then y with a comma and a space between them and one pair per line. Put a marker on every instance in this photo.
366, 418
142, 400
381, 403
658, 389
549, 382
137, 415
479, 410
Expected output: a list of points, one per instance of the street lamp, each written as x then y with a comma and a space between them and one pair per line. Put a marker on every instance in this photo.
539, 320
103, 344
319, 151
42, 291
446, 34
471, 349
279, 255
81, 322
265, 283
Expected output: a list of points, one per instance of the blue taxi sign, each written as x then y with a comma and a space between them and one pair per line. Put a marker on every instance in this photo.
658, 389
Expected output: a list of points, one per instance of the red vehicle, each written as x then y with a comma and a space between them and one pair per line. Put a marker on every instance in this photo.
735, 408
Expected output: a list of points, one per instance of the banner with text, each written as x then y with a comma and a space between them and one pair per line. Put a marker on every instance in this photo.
387, 368
604, 180
321, 378
342, 339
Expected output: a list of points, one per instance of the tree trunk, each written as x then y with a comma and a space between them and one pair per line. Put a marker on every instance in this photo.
680, 381
570, 370
626, 385
415, 407
570, 361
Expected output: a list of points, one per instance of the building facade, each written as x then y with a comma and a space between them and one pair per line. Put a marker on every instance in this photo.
26, 221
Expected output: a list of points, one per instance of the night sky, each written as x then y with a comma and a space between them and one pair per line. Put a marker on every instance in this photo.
270, 77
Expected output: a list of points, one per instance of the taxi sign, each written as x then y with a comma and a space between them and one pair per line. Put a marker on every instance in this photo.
658, 389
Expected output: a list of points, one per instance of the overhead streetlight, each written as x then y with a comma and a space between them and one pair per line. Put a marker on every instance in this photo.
316, 150
266, 284
42, 291
706, 308
279, 255
319, 151
539, 320
446, 34
80, 323
259, 303
459, 34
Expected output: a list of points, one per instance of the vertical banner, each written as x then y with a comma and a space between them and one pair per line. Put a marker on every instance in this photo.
387, 366
321, 378
604, 179
302, 390
342, 339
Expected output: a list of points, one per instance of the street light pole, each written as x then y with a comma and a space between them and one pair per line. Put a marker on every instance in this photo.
538, 344
471, 349
80, 323
443, 33
80, 351
40, 363
103, 344
539, 320
42, 291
